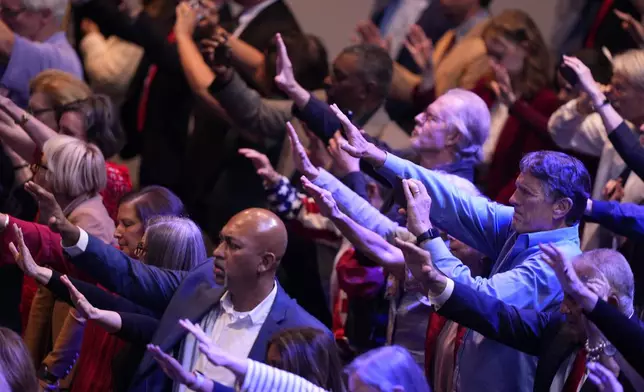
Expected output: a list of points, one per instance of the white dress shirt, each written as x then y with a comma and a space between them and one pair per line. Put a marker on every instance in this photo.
234, 332
247, 16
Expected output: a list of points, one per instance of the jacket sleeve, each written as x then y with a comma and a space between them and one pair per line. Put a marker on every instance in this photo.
261, 377
629, 148
625, 334
143, 284
572, 130
625, 219
493, 318
479, 223
96, 296
137, 328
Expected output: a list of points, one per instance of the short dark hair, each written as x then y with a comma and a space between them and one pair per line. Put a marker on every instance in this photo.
311, 354
375, 66
153, 201
562, 176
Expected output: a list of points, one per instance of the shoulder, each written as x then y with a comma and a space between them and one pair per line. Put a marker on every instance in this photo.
296, 316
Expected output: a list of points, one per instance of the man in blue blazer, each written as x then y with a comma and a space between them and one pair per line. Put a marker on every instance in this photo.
235, 297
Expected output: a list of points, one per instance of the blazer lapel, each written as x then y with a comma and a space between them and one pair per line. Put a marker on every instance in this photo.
170, 332
558, 350
272, 324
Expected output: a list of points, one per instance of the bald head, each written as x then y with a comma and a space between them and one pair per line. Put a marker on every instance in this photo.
263, 229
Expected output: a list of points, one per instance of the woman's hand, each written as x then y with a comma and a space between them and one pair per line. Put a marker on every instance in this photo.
301, 159
613, 190
586, 81
343, 163
420, 47
82, 305
633, 26
323, 199
262, 165
186, 20
502, 84
22, 255
171, 367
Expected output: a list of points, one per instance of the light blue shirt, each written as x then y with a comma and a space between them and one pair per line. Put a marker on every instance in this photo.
519, 276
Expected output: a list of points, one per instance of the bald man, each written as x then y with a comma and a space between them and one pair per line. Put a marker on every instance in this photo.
235, 297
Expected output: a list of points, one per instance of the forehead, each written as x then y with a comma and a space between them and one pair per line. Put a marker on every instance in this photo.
443, 105
529, 181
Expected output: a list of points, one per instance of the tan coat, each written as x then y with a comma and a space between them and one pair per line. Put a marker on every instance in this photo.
51, 320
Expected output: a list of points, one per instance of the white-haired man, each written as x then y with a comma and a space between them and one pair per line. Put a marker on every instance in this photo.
31, 41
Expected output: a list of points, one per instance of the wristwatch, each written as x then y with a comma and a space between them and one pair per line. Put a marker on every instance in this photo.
428, 235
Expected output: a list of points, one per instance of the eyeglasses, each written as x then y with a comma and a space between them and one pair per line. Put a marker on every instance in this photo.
37, 112
140, 250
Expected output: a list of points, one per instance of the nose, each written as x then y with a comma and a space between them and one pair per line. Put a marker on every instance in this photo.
218, 253
513, 199
118, 233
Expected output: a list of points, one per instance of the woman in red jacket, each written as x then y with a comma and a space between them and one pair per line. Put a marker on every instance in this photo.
519, 93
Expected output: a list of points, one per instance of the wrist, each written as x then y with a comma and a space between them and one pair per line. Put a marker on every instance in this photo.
70, 235
598, 99
375, 156
435, 284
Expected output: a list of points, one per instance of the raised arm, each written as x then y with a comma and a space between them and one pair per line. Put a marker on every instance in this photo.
21, 131
625, 219
493, 318
477, 222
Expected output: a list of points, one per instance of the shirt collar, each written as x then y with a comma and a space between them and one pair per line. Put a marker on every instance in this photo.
258, 315
543, 237
461, 30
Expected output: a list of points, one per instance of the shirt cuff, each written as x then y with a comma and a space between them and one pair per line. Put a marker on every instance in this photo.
80, 246
438, 301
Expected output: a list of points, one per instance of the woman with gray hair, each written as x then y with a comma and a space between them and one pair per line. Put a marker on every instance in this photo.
169, 242
74, 171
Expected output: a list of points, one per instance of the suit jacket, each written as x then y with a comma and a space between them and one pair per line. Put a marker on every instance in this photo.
180, 295
545, 335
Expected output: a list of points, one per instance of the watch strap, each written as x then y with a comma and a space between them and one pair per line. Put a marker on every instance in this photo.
428, 235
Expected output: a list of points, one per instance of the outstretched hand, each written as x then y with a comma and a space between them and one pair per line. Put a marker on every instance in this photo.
22, 255
368, 33
419, 263
82, 305
343, 163
214, 354
632, 26
52, 214
586, 80
301, 159
355, 144
420, 47
262, 165
171, 367
323, 199
568, 277
418, 206
284, 76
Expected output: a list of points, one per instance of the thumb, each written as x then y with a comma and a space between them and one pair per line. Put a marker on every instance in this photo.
345, 146
14, 251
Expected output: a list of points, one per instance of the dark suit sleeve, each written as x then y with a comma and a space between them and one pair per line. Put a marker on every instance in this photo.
625, 334
629, 148
96, 296
491, 317
143, 284
625, 219
137, 328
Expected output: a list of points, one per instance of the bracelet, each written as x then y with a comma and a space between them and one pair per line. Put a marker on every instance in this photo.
601, 105
594, 353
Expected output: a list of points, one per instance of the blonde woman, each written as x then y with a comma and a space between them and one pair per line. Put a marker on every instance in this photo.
74, 171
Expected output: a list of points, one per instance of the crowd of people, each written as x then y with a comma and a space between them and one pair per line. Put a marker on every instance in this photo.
452, 203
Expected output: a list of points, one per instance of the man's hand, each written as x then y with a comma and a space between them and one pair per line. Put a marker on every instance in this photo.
356, 144
603, 378
51, 212
419, 263
323, 198
284, 77
186, 20
368, 33
613, 190
418, 206
301, 160
568, 278
171, 367
262, 165
502, 85
82, 305
217, 53
343, 162
420, 47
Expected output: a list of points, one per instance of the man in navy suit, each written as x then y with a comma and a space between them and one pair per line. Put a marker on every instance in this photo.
596, 312
235, 297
